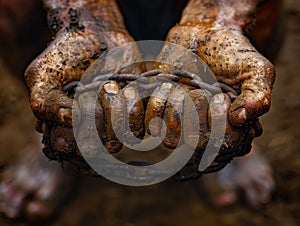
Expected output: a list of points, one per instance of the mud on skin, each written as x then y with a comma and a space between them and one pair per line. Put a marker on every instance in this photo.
219, 38
77, 26
204, 28
86, 27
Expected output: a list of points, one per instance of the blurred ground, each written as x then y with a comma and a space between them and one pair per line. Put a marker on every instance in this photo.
100, 202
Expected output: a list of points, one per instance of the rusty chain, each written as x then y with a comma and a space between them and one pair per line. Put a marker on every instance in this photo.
190, 171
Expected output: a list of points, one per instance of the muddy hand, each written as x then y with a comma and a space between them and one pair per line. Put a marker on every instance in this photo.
215, 31
84, 30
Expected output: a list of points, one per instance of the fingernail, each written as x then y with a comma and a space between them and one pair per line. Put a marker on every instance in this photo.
240, 116
130, 92
219, 98
111, 88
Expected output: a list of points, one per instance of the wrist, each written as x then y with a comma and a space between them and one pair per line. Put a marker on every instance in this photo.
238, 15
82, 15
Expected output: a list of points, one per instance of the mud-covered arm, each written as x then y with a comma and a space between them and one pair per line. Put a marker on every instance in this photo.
83, 30
216, 31
234, 14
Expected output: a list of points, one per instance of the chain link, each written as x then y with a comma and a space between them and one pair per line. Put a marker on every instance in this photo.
190, 171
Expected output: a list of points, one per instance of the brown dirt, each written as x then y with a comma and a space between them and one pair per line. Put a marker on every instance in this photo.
100, 202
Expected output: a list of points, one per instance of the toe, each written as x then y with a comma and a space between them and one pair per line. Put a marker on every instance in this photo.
36, 211
227, 198
12, 200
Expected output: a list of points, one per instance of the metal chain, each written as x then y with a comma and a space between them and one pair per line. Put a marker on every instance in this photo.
220, 161
159, 75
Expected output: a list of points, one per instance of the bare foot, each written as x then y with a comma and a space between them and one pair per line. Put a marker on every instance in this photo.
250, 176
33, 188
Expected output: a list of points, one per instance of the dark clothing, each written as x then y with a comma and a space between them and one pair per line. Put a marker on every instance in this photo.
151, 19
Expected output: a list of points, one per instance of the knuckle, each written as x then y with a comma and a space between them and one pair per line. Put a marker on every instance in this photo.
37, 105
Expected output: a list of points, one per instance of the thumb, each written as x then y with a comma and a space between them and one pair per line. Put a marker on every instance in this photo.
255, 97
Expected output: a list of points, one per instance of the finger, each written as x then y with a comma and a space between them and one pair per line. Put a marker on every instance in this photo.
156, 107
91, 120
196, 118
241, 66
218, 121
54, 106
114, 111
173, 118
135, 113
65, 60
255, 97
62, 140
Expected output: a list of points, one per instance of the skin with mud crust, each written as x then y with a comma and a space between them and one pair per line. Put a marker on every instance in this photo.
16, 179
84, 29
214, 30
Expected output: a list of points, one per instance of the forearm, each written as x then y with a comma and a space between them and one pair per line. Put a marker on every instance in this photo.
97, 15
237, 14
